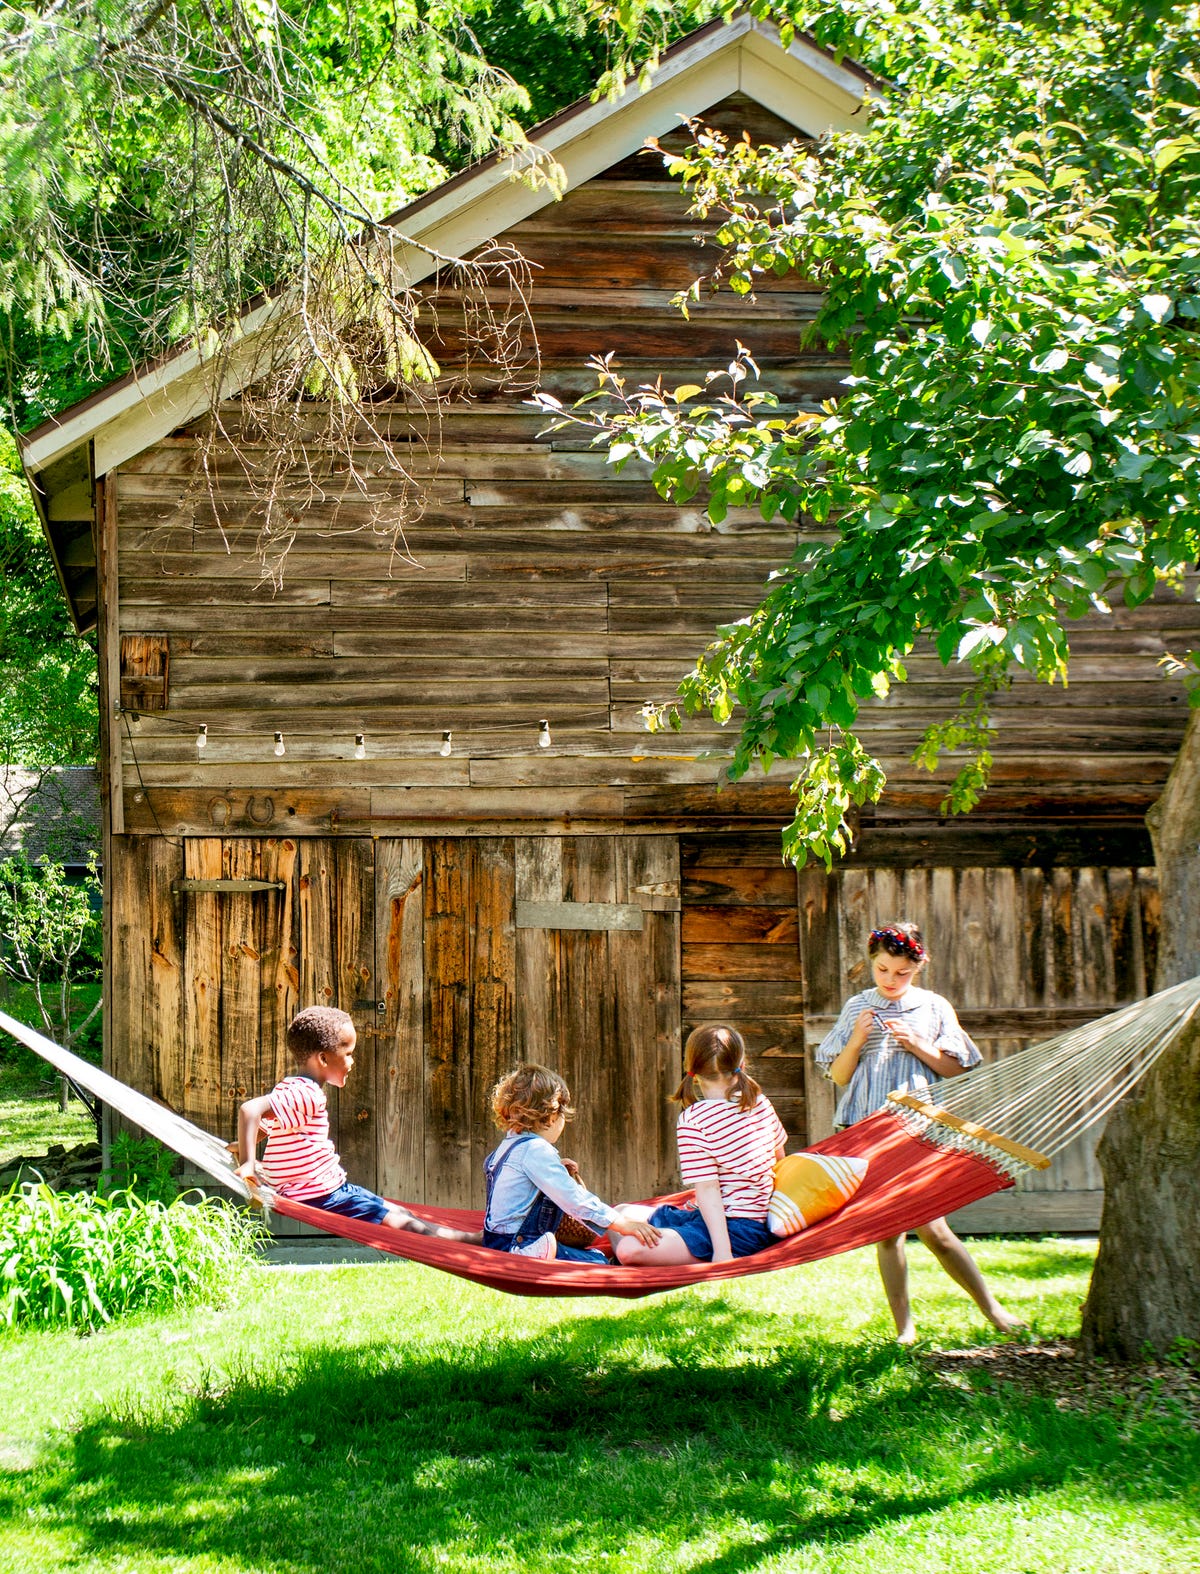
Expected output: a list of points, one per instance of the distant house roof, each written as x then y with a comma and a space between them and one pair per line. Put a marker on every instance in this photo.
802, 83
52, 817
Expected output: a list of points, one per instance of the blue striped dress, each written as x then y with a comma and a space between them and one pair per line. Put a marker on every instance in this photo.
883, 1065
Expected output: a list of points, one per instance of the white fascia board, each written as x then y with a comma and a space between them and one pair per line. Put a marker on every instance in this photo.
144, 393
560, 141
185, 397
842, 83
798, 96
604, 144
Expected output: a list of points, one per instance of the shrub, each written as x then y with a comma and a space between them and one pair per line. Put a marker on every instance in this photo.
73, 1259
142, 1166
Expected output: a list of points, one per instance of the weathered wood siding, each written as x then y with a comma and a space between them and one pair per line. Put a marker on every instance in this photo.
741, 960
419, 942
540, 583
535, 582
1021, 953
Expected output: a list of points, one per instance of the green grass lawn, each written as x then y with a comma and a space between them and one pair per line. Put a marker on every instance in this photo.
30, 1119
387, 1418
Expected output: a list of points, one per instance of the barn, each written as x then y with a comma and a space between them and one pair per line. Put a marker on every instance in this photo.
426, 794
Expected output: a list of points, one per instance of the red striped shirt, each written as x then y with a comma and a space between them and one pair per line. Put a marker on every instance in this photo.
300, 1161
718, 1141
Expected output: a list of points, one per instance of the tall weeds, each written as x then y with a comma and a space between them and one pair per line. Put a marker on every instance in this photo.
76, 1260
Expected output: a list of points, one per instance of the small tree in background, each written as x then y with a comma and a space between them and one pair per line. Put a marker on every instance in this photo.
49, 943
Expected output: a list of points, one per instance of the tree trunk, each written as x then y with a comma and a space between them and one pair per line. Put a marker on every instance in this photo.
1145, 1290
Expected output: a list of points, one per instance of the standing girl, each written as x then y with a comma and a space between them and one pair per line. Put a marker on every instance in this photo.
729, 1140
896, 1038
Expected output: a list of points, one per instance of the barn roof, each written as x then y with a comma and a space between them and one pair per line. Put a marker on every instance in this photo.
50, 816
802, 83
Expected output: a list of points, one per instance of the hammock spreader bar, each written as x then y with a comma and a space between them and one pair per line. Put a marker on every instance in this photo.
968, 1128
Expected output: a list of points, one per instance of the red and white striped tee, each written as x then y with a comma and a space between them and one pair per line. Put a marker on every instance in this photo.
719, 1141
300, 1161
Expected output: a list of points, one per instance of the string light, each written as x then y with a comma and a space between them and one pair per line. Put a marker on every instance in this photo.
133, 718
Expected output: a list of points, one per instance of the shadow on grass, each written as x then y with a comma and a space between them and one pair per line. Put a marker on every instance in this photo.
605, 1437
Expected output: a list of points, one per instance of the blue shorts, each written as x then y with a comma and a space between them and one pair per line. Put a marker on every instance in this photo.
745, 1235
355, 1202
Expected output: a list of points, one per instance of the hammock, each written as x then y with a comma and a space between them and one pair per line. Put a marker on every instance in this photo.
925, 1159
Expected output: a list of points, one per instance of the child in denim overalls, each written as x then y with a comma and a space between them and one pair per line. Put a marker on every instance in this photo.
529, 1187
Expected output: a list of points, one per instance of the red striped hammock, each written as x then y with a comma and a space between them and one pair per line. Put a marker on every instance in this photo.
909, 1181
923, 1162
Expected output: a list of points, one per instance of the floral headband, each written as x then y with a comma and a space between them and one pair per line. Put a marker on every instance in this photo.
907, 944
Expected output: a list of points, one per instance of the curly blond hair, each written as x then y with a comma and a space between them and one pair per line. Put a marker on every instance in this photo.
529, 1098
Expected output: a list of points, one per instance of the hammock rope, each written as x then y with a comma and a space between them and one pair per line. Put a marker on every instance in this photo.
925, 1160
1044, 1097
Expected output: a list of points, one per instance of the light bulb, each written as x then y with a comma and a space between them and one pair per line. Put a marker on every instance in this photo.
279, 748
360, 746
202, 736
447, 745
544, 738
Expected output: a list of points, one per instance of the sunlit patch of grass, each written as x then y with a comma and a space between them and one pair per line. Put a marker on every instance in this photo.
387, 1418
30, 1119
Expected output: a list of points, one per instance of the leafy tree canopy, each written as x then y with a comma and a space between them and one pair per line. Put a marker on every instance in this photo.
1009, 252
47, 674
160, 163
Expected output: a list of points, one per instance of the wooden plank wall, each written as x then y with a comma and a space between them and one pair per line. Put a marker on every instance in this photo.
1022, 954
741, 961
418, 941
538, 582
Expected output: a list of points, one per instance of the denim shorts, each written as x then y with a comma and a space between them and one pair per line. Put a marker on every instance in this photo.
745, 1235
355, 1202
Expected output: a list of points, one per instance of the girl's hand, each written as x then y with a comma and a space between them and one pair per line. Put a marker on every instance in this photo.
571, 1168
908, 1037
641, 1230
864, 1022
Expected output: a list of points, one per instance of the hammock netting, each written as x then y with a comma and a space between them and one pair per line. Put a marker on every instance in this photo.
924, 1159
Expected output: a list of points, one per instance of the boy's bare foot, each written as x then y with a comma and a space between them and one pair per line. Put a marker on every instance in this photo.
906, 1336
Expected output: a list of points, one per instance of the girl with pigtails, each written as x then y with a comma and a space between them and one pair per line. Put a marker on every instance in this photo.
897, 1038
730, 1140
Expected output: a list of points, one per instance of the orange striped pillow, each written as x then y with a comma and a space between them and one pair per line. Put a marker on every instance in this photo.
811, 1186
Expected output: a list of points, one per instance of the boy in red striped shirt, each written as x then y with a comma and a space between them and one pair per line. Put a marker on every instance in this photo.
300, 1161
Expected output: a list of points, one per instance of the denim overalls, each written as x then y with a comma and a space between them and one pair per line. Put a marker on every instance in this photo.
544, 1216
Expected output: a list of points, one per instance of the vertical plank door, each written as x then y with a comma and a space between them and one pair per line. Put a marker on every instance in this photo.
597, 996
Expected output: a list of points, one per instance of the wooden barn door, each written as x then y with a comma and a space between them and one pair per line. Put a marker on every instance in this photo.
1021, 953
456, 957
216, 944
558, 949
